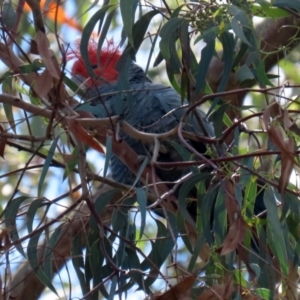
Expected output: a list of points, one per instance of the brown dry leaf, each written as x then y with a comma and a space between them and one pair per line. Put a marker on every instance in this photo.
178, 291
68, 157
231, 203
292, 282
276, 135
267, 114
3, 142
287, 165
46, 53
234, 236
79, 133
4, 239
275, 131
218, 292
286, 120
43, 84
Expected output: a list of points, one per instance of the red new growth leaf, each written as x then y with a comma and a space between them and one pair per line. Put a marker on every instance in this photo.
103, 61
81, 135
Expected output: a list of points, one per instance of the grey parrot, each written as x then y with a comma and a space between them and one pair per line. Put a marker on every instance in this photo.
148, 107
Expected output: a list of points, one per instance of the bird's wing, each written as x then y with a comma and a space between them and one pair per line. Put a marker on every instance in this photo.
170, 100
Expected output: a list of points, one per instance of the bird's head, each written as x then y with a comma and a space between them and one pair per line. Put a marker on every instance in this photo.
103, 63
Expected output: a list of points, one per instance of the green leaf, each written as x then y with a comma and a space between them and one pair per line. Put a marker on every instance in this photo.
265, 293
10, 216
48, 267
86, 34
74, 86
239, 15
34, 206
101, 202
167, 36
96, 262
276, 237
242, 51
228, 44
7, 85
105, 28
77, 260
108, 147
142, 201
261, 74
206, 209
8, 15
114, 280
32, 255
206, 57
244, 73
217, 118
265, 9
139, 29
295, 4
184, 154
141, 169
182, 229
161, 249
134, 266
197, 249
184, 192
209, 34
128, 9
70, 165
238, 30
47, 164
220, 219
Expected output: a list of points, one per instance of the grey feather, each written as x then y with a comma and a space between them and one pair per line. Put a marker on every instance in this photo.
151, 103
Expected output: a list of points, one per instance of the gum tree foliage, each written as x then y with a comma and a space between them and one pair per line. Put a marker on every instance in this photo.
57, 209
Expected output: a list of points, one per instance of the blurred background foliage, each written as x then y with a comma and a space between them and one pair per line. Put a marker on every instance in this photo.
240, 60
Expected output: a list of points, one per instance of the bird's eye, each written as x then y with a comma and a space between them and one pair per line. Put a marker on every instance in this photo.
94, 66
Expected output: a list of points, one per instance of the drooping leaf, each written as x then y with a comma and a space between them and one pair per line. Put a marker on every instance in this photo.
206, 56
108, 147
47, 54
238, 30
48, 263
187, 186
34, 206
77, 260
47, 164
128, 9
104, 31
33, 259
10, 216
86, 35
101, 202
96, 262
142, 201
276, 234
167, 34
